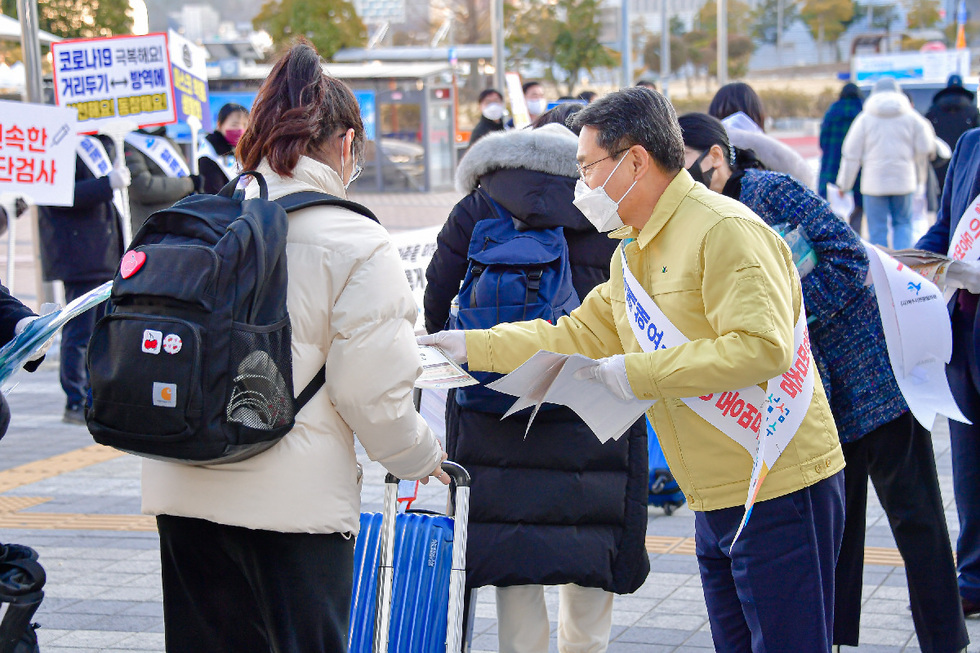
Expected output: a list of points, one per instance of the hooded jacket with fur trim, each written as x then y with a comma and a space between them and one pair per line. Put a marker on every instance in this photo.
557, 506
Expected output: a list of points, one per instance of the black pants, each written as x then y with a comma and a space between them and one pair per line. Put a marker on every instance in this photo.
74, 343
899, 459
239, 590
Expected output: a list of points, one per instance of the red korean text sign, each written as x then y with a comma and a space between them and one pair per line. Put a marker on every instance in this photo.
37, 152
123, 77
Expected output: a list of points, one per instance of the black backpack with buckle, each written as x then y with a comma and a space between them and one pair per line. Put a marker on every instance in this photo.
192, 362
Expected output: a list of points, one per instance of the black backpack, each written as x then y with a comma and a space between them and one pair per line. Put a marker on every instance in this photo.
192, 361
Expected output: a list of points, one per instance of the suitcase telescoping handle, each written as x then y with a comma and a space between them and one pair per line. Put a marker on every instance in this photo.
457, 576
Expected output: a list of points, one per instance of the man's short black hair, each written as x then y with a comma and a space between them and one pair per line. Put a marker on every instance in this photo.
487, 92
636, 116
527, 86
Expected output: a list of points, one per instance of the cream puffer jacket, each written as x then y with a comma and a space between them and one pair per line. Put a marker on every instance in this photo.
350, 305
890, 144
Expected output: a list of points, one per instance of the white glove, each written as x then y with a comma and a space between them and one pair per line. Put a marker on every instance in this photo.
19, 328
964, 274
453, 343
610, 372
120, 178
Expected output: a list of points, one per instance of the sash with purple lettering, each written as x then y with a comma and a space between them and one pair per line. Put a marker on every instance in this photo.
161, 152
92, 153
762, 421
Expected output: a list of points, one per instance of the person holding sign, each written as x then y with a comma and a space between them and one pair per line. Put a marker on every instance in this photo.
955, 234
703, 308
880, 437
81, 246
217, 161
160, 174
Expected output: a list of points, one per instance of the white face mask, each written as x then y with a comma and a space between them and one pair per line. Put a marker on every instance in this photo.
493, 111
537, 107
596, 205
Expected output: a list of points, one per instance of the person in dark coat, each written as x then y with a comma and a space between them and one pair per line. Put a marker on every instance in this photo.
154, 188
833, 129
879, 435
81, 246
491, 115
216, 158
953, 112
961, 188
557, 507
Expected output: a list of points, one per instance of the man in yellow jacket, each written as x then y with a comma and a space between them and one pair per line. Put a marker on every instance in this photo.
727, 282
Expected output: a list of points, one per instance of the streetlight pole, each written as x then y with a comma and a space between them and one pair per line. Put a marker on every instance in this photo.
31, 45
779, 32
497, 38
627, 48
664, 48
722, 42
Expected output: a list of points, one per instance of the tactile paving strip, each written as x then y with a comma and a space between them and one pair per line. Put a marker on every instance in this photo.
685, 546
11, 517
55, 465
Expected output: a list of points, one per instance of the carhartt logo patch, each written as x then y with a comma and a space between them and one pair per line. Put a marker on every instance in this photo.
165, 394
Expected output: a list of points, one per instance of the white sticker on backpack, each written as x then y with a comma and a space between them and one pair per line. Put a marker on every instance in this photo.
165, 394
151, 341
172, 343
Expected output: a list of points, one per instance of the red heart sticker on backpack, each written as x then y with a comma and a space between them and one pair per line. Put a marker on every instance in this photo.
131, 263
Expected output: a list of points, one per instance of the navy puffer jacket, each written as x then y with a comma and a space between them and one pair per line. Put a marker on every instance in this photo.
558, 506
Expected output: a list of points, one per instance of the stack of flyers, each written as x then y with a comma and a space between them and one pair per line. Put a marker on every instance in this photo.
439, 371
15, 353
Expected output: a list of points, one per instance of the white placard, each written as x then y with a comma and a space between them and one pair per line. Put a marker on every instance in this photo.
416, 248
118, 77
37, 152
518, 107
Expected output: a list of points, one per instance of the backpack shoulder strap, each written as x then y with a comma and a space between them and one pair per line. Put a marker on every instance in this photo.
308, 198
311, 388
301, 200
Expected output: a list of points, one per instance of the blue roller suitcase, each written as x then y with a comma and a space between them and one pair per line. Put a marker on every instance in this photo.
409, 572
664, 491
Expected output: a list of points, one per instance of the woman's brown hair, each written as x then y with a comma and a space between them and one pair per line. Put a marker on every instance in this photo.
296, 110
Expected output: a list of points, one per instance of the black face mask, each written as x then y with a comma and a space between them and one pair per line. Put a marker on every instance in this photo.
698, 174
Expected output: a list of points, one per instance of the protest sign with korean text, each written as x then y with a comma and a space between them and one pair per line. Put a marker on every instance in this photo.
187, 64
37, 152
107, 79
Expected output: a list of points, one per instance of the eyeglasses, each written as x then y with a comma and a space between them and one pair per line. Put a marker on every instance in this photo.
582, 169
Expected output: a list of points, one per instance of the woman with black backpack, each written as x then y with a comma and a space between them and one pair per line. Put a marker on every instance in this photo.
258, 555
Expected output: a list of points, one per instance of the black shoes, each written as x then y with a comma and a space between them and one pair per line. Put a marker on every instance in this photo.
74, 415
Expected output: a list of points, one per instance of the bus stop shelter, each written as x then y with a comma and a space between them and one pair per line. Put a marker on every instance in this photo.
408, 114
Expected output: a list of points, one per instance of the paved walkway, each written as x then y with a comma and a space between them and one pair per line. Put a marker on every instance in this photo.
78, 505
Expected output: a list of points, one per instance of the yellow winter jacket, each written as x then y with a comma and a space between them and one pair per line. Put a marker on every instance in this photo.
727, 281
